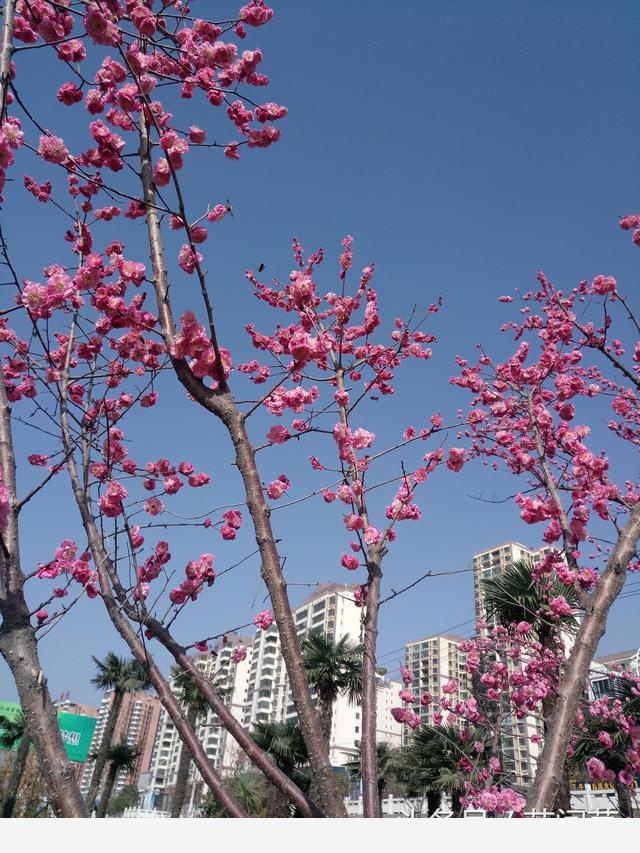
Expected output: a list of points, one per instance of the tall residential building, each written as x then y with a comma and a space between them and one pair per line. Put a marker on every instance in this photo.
137, 725
331, 611
222, 750
518, 752
434, 661
488, 564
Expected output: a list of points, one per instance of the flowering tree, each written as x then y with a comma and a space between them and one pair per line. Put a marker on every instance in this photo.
528, 413
110, 351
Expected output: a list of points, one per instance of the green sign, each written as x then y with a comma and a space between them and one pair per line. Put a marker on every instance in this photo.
76, 730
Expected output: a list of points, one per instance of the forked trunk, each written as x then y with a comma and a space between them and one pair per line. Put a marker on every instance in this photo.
223, 406
18, 647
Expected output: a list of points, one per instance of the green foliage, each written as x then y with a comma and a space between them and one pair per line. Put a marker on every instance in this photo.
514, 596
128, 798
333, 668
249, 789
119, 674
11, 730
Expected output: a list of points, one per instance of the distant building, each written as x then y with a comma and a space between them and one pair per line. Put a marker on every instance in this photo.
434, 661
330, 610
601, 667
518, 753
137, 725
221, 749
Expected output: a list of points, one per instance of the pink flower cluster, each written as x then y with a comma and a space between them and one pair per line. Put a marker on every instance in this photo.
263, 620
198, 573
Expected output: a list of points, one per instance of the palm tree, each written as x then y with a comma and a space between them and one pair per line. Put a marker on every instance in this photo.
196, 707
389, 767
332, 669
121, 676
514, 596
248, 788
434, 762
14, 731
286, 746
121, 756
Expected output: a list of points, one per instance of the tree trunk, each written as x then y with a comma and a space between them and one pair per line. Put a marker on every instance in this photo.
17, 771
182, 776
222, 405
103, 749
434, 801
369, 750
107, 791
18, 647
552, 759
17, 636
119, 611
624, 799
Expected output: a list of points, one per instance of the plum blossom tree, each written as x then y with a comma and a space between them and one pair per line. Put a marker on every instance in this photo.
527, 413
110, 351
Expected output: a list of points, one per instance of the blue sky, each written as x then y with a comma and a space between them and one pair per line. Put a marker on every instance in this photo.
464, 145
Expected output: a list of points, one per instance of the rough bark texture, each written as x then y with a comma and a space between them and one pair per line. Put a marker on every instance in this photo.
18, 647
107, 791
182, 776
17, 771
103, 749
370, 799
223, 406
552, 759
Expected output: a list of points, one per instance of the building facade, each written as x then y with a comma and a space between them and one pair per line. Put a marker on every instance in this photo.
137, 725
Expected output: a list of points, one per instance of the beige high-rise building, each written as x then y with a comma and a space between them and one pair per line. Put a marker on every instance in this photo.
518, 752
137, 725
434, 661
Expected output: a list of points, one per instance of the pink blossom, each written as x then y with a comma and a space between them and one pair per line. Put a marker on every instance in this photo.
52, 149
256, 13
239, 654
406, 675
277, 488
37, 459
278, 434
349, 561
217, 213
596, 769
154, 506
456, 458
41, 616
451, 686
263, 619
201, 646
605, 739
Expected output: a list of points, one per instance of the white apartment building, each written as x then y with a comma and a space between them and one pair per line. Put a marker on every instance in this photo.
222, 750
329, 610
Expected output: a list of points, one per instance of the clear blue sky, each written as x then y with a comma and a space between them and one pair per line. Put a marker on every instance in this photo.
464, 145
